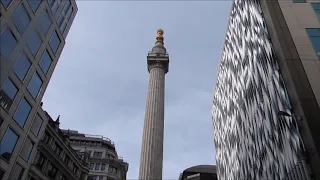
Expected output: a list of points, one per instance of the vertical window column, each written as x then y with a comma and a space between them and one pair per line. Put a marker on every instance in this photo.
314, 35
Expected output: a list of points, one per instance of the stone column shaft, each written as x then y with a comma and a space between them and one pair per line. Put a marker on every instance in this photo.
153, 132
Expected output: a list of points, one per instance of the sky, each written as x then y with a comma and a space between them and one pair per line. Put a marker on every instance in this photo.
100, 83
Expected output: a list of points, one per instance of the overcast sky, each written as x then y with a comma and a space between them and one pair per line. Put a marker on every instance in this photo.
100, 83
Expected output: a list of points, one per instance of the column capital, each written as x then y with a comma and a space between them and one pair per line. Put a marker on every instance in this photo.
164, 64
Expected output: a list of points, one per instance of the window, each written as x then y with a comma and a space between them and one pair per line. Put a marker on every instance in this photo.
35, 85
6, 3
45, 61
68, 15
316, 7
91, 166
55, 6
314, 35
21, 66
34, 4
7, 94
62, 15
54, 42
97, 154
17, 172
34, 42
1, 173
9, 88
103, 167
36, 125
7, 42
27, 149
21, 18
8, 144
112, 170
22, 112
63, 26
40, 161
299, 1
45, 22
50, 2
97, 166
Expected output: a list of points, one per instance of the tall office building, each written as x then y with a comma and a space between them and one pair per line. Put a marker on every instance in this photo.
32, 36
266, 104
104, 162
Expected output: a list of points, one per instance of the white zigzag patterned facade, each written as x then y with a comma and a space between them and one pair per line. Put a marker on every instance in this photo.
252, 141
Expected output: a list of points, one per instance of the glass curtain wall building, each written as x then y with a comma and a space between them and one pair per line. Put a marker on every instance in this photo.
266, 103
32, 36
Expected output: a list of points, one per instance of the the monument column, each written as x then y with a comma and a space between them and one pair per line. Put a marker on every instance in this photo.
152, 140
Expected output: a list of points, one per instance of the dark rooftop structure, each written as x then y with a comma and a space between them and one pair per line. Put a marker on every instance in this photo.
200, 172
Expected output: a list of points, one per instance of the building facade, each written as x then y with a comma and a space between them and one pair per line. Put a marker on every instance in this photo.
200, 172
104, 162
32, 36
266, 103
55, 158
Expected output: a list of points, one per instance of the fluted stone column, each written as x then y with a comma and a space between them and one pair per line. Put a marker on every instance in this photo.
153, 132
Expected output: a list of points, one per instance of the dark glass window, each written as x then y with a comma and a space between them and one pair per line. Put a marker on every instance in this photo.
55, 6
299, 1
22, 112
9, 88
21, 18
45, 61
68, 15
17, 172
22, 66
63, 26
103, 167
314, 35
36, 125
45, 22
97, 166
91, 166
35, 85
6, 3
34, 42
7, 42
7, 94
54, 42
316, 7
27, 149
8, 144
50, 2
34, 4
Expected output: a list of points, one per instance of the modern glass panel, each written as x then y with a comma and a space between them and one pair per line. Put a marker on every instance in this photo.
34, 42
22, 112
316, 7
6, 3
63, 26
45, 61
21, 18
34, 4
55, 6
50, 2
45, 22
36, 125
314, 35
17, 172
22, 66
299, 1
8, 144
54, 42
69, 13
9, 88
7, 42
35, 85
7, 93
27, 149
